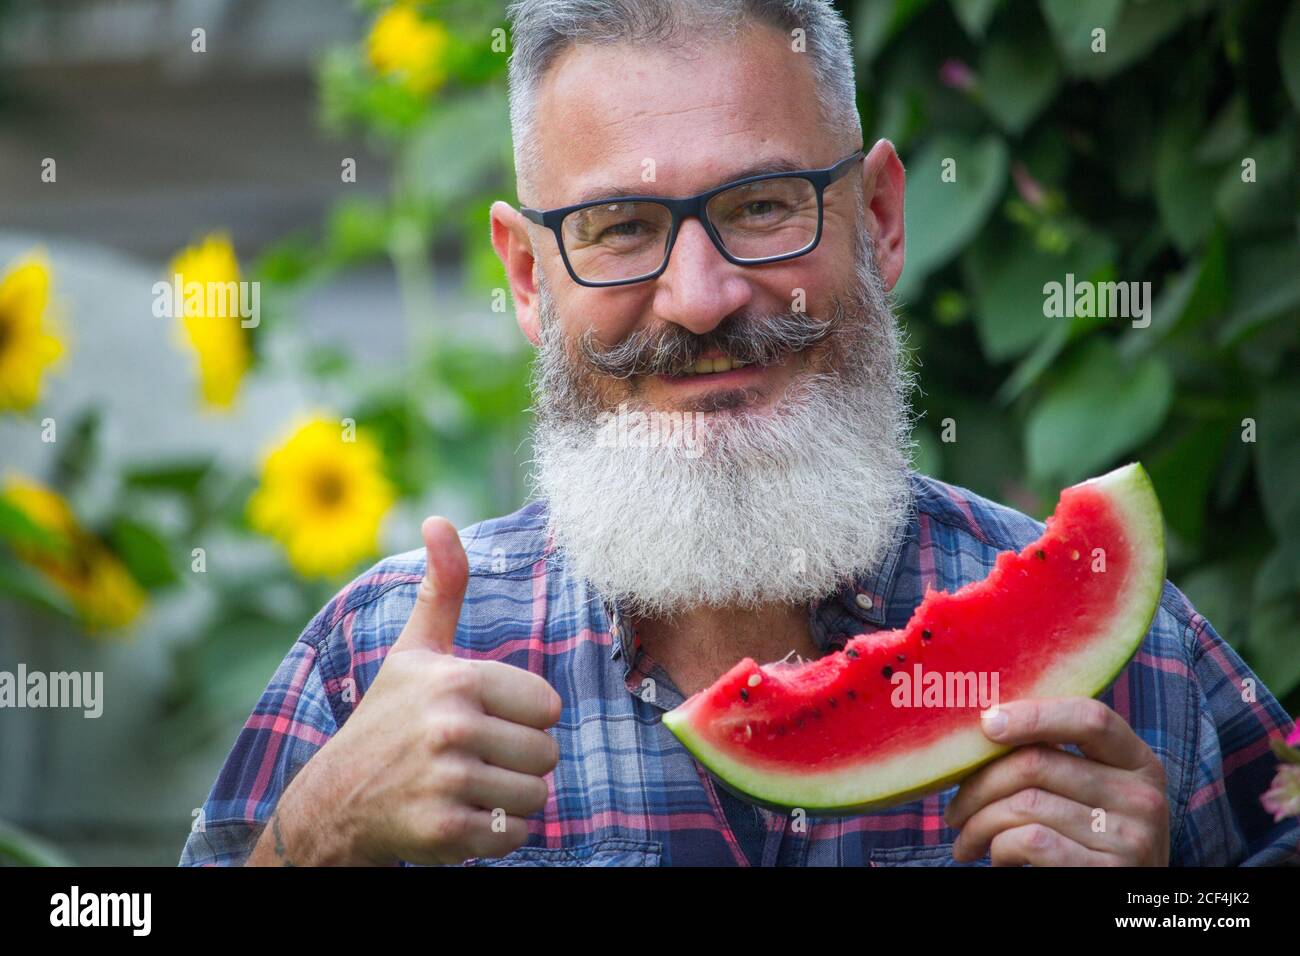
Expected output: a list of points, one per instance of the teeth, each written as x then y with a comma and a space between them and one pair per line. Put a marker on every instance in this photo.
706, 366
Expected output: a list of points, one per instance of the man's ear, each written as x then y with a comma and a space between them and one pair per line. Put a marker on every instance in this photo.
510, 240
883, 183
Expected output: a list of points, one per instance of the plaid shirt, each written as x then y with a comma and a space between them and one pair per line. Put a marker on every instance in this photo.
625, 792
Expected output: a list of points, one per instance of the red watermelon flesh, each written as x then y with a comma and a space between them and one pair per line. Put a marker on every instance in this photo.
895, 715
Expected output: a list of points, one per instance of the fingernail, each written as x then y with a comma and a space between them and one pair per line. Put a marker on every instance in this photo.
995, 724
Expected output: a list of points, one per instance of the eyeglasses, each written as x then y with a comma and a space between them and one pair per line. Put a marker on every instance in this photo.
758, 219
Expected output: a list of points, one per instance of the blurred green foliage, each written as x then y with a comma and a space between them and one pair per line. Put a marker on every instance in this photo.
1169, 158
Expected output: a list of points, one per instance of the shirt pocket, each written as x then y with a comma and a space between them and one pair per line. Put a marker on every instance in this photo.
940, 855
609, 852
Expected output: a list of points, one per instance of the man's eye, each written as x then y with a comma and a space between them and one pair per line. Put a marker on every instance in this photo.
632, 227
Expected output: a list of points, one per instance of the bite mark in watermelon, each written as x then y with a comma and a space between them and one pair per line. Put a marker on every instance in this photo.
832, 736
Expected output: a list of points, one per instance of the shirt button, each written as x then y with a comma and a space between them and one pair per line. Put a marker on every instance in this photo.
864, 602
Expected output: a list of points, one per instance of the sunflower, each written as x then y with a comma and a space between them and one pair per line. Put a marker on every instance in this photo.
220, 342
95, 581
322, 495
27, 343
406, 47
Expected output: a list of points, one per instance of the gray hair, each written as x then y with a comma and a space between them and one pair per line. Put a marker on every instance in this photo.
542, 29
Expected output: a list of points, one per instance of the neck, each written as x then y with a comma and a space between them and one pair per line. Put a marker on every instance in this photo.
699, 646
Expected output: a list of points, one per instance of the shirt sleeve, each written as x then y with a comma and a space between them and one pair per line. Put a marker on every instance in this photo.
1225, 824
290, 723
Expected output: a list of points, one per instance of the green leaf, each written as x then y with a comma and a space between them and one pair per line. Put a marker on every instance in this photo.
1184, 188
1288, 52
459, 147
357, 230
1040, 359
1216, 590
1197, 294
942, 217
927, 456
17, 847
974, 15
982, 452
875, 22
1018, 76
1007, 277
20, 531
1279, 574
1072, 23
1266, 285
1142, 25
1271, 647
143, 552
1098, 411
23, 583
1266, 204
1183, 471
179, 476
1277, 452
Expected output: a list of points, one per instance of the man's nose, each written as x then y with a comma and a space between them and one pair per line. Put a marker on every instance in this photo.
699, 288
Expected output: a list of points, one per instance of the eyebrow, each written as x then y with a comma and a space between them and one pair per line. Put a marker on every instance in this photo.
778, 164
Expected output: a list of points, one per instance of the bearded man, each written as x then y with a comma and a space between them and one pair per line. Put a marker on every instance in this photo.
704, 243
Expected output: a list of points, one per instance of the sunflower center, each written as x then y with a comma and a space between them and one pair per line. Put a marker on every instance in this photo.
328, 488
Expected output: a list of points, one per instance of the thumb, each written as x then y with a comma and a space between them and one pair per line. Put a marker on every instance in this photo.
432, 624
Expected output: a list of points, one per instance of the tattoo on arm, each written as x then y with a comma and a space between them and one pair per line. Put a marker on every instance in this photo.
281, 853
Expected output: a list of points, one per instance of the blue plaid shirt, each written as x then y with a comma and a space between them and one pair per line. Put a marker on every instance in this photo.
626, 792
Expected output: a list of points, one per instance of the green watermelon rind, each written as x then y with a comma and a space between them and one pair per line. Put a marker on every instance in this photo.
1131, 490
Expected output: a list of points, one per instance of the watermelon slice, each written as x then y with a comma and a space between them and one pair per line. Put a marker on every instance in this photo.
895, 715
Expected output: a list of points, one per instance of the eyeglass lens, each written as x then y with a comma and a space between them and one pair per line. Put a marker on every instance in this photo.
755, 221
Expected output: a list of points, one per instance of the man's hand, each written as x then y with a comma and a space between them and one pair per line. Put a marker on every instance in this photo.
443, 757
1044, 806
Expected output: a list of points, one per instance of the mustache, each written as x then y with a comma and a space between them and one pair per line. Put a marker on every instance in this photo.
672, 350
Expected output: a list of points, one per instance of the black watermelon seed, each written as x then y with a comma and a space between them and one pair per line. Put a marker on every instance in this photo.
817, 714
799, 723
833, 704
1039, 554
852, 653
926, 635
888, 672
851, 695
901, 658
744, 694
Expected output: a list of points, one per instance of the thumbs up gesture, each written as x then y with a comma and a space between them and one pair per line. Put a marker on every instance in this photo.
443, 757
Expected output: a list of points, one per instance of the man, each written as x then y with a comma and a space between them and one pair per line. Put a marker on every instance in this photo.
495, 698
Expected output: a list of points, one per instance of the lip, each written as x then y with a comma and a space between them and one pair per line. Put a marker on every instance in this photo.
732, 378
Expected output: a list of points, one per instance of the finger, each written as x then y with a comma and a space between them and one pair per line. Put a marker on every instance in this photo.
432, 624
1039, 845
455, 834
517, 695
1031, 805
1064, 774
514, 746
491, 833
495, 788
1094, 728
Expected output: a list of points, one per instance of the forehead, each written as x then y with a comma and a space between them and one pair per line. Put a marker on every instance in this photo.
607, 115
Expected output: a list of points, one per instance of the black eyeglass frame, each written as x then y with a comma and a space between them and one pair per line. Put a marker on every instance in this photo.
695, 206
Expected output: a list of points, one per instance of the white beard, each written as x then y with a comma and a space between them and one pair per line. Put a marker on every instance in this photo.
773, 506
